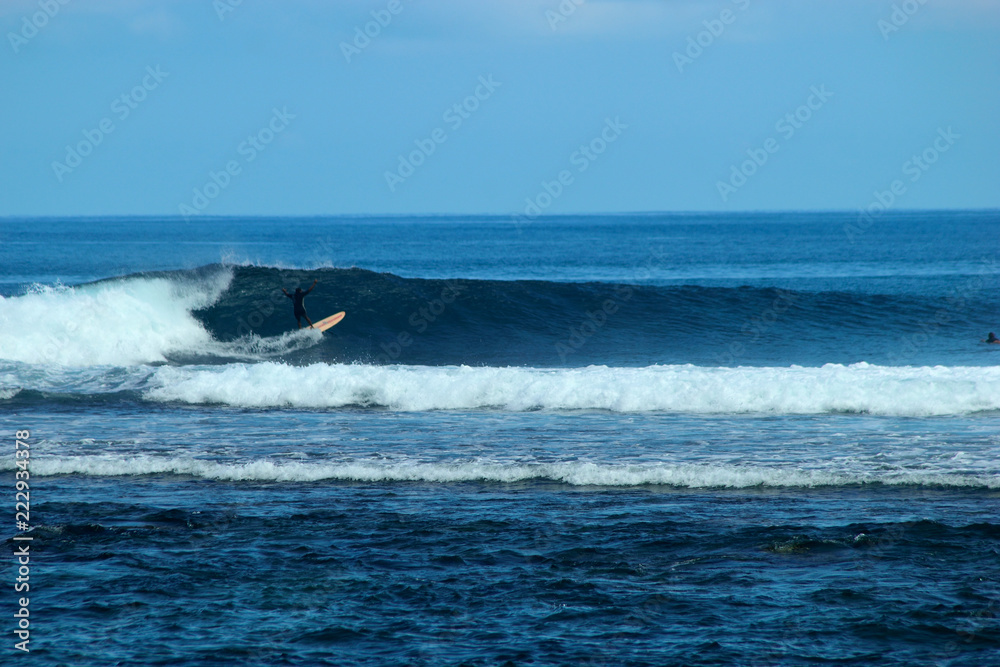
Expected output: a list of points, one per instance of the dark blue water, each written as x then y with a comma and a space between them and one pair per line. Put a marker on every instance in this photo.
632, 440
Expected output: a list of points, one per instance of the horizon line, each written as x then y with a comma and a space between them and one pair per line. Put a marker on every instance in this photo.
547, 216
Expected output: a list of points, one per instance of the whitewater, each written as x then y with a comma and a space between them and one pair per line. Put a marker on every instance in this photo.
116, 322
860, 388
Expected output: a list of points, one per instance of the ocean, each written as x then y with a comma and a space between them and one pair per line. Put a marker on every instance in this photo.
764, 439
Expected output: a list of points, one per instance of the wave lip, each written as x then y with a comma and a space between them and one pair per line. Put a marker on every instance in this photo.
858, 388
135, 320
572, 473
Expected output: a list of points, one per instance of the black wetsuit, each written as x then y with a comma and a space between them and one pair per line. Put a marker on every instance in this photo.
297, 300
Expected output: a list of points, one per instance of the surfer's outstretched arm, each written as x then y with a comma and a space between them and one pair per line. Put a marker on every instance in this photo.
312, 286
286, 293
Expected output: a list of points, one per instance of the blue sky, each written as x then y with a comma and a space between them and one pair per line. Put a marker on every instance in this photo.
270, 108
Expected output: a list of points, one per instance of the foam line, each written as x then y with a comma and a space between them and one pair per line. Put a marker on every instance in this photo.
858, 388
572, 473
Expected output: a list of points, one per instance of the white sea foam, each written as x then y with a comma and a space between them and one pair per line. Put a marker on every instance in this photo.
573, 473
319, 259
254, 347
858, 388
123, 322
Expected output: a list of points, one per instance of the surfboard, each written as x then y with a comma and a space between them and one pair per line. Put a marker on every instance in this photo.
328, 322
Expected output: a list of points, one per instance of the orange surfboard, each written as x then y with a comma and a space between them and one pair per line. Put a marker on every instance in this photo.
328, 322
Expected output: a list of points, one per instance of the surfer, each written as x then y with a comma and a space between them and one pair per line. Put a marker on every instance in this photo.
992, 339
297, 300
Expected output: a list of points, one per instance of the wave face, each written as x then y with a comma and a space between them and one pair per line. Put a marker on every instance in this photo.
538, 323
222, 314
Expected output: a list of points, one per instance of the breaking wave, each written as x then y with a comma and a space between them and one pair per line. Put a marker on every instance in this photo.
218, 314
